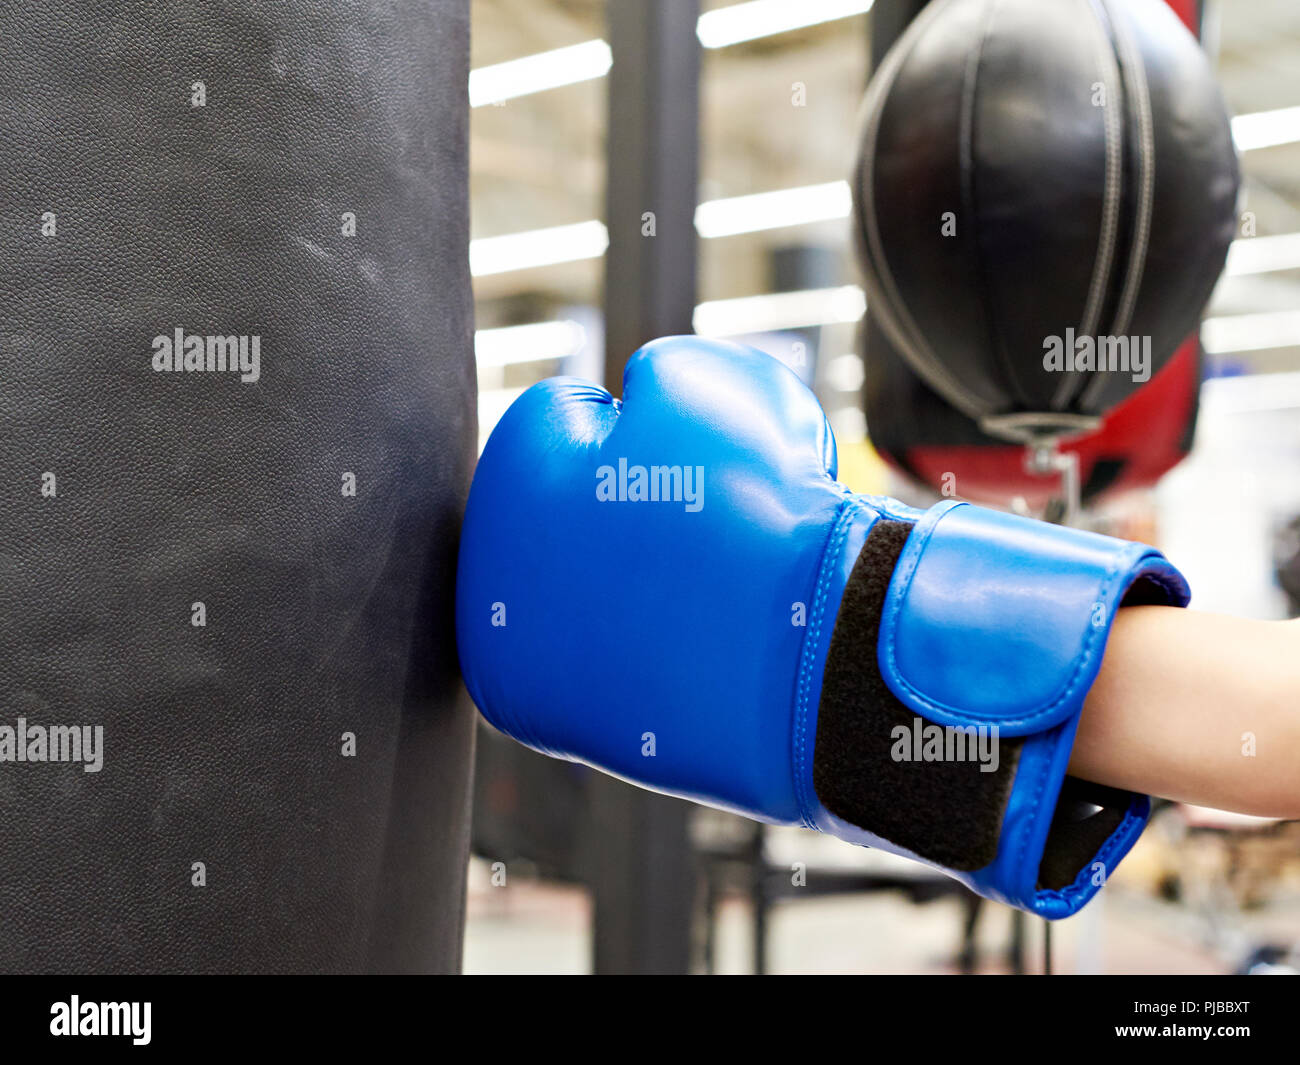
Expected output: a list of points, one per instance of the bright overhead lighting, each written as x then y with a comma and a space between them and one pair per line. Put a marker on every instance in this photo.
714, 218
1263, 255
592, 59
528, 343
764, 18
537, 341
537, 247
772, 210
1251, 332
780, 310
1251, 393
845, 373
1264, 129
537, 73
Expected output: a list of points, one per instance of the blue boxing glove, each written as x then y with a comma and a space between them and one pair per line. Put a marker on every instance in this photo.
675, 589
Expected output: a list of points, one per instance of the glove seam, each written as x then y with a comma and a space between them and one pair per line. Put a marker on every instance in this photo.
848, 510
1080, 887
1027, 827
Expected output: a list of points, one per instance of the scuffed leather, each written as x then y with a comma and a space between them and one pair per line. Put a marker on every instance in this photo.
325, 614
684, 651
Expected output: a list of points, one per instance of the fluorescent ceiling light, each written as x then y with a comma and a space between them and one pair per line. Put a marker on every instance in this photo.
780, 310
776, 311
1251, 332
772, 210
764, 18
749, 21
1262, 255
749, 314
538, 247
845, 373
1264, 129
1251, 393
592, 59
536, 73
714, 218
528, 343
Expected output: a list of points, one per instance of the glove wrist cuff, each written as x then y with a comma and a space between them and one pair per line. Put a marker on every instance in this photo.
963, 649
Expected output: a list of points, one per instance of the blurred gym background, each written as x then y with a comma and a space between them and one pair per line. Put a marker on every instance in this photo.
572, 872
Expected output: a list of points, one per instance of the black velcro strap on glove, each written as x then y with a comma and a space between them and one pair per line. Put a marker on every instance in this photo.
949, 812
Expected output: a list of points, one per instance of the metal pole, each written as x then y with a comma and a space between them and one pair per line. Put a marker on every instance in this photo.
652, 173
643, 873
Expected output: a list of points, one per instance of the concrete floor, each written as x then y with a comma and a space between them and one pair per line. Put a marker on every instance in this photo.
529, 926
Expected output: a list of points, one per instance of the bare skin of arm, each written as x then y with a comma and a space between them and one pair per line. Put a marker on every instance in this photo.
1182, 699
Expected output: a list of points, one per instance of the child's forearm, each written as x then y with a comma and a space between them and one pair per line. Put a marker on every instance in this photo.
1202, 708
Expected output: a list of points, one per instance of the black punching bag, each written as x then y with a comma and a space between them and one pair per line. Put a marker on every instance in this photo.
1033, 172
237, 391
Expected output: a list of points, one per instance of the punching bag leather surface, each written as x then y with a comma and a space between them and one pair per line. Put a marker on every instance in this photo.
233, 576
1033, 172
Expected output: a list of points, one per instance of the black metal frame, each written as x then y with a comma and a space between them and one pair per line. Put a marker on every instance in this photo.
643, 871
